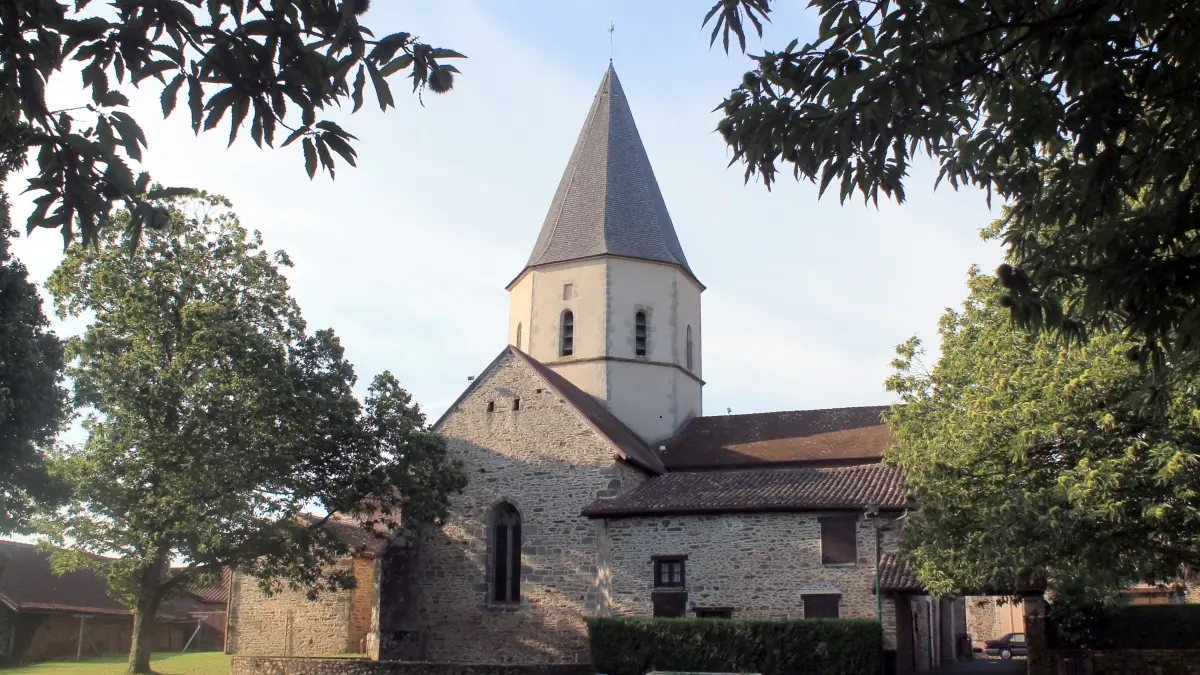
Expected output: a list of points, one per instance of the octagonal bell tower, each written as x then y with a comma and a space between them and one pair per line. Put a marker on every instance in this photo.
607, 299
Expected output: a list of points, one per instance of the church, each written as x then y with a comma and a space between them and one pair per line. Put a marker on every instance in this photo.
598, 486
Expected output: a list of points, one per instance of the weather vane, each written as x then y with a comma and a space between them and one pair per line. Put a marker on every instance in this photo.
611, 27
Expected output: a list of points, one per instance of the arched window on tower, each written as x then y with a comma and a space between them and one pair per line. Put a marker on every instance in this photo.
689, 347
639, 334
504, 555
518, 336
567, 347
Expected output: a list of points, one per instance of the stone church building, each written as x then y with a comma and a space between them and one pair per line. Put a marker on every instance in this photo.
598, 487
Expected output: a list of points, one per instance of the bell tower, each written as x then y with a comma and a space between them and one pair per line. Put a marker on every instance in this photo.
607, 298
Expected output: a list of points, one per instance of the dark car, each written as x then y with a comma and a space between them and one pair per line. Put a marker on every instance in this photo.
1007, 647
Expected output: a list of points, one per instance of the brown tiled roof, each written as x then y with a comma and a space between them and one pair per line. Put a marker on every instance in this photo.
897, 575
27, 584
364, 543
751, 490
831, 436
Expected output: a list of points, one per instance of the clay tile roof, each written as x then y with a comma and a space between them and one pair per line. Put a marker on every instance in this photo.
896, 574
758, 490
833, 436
608, 201
630, 444
28, 585
364, 543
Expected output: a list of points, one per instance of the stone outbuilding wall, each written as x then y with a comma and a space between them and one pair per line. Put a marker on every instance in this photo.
289, 624
759, 564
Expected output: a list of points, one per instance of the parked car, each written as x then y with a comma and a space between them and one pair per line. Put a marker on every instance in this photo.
1007, 647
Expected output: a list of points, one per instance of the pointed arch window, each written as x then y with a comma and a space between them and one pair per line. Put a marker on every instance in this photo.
518, 336
505, 554
639, 334
567, 346
689, 347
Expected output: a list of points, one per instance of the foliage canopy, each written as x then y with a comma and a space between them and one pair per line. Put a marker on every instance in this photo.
219, 419
1034, 464
1082, 115
278, 63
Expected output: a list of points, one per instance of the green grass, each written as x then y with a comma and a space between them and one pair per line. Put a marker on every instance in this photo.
195, 663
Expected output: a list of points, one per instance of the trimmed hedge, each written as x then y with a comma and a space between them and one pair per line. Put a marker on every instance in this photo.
1135, 627
809, 646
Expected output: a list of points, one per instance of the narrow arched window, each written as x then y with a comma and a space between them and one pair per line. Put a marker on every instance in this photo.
518, 336
567, 347
689, 347
639, 334
505, 558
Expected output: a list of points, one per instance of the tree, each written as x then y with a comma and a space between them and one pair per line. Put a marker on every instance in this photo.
1082, 115
1032, 463
219, 419
278, 62
33, 400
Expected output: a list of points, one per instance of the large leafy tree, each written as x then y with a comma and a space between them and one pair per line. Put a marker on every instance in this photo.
219, 419
33, 400
277, 63
1033, 464
1082, 115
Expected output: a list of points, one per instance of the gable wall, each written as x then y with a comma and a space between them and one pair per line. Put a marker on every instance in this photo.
758, 564
549, 463
287, 623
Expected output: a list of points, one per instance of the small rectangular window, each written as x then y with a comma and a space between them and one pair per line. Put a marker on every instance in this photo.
491, 406
639, 334
516, 404
839, 540
568, 290
669, 573
714, 613
821, 605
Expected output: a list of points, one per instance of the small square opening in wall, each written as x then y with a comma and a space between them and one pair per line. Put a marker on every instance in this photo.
516, 404
491, 406
568, 291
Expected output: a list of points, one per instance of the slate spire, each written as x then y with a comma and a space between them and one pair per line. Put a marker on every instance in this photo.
608, 201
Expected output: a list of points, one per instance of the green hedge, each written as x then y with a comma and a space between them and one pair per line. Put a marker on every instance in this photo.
810, 646
1131, 627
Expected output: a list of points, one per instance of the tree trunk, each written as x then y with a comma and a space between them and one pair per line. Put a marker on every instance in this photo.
149, 598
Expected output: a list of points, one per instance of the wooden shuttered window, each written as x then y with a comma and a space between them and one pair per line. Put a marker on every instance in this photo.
839, 540
821, 605
669, 604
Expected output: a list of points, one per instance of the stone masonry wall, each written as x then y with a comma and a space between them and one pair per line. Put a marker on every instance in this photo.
758, 564
257, 665
360, 605
288, 623
549, 463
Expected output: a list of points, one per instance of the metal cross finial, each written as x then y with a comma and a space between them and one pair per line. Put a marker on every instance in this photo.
611, 27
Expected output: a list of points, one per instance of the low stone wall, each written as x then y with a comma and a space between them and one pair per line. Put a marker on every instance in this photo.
271, 665
1131, 662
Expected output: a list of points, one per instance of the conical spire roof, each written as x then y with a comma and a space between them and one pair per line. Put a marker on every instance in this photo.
608, 201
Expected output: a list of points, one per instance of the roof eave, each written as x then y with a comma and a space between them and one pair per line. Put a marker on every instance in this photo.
600, 512
686, 272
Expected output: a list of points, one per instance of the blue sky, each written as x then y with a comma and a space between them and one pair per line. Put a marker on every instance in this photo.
406, 256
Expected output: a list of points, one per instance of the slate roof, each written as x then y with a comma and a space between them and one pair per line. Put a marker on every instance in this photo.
608, 200
27, 584
897, 575
831, 436
758, 490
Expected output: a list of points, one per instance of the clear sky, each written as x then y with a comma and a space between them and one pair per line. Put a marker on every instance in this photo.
407, 256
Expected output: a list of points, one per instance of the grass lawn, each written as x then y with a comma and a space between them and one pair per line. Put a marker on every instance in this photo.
195, 663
